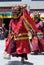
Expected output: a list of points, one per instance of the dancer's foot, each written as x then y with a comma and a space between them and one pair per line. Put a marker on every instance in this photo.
41, 53
34, 53
7, 56
22, 60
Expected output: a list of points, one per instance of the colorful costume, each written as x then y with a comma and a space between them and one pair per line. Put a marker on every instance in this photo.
41, 35
18, 44
36, 44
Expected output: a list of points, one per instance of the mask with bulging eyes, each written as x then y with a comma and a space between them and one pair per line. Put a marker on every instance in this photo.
17, 13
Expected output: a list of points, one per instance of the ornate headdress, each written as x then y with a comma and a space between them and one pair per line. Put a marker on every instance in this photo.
36, 14
16, 11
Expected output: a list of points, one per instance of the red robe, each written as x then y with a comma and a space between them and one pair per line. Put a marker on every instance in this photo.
41, 44
22, 44
35, 46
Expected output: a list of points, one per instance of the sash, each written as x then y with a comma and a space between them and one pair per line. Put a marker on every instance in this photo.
29, 23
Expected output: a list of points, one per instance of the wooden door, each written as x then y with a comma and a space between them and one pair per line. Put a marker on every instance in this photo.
1, 21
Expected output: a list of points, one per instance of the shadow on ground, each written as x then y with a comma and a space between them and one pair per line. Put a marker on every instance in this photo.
19, 63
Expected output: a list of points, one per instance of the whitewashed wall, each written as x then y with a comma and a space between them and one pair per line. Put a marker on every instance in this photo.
33, 4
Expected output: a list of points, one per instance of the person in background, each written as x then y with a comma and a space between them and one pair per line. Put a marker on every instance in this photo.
2, 31
40, 26
5, 31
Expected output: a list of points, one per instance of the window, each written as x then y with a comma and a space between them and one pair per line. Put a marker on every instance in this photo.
8, 0
37, 0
